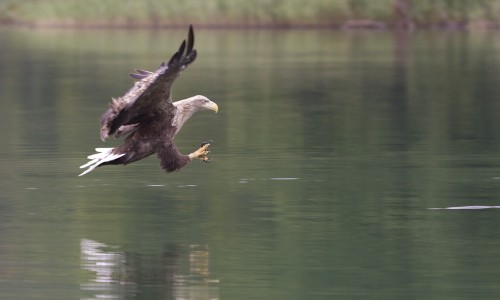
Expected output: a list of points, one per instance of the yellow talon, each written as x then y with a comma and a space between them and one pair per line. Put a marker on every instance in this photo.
201, 153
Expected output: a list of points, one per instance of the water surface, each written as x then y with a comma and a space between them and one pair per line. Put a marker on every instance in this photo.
330, 149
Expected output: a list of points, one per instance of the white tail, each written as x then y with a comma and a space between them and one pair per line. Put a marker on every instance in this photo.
103, 155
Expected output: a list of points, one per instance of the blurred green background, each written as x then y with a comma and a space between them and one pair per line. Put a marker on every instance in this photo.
227, 13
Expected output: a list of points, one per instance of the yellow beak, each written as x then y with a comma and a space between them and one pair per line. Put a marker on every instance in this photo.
214, 107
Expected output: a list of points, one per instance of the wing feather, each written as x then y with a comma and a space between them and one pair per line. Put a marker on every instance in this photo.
151, 95
141, 74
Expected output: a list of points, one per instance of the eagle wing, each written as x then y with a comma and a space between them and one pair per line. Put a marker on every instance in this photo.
151, 95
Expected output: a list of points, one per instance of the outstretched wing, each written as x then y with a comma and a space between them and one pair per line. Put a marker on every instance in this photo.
151, 95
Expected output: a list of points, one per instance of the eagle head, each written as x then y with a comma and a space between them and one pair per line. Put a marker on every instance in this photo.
200, 102
187, 107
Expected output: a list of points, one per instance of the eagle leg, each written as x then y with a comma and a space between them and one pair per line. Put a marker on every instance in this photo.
201, 153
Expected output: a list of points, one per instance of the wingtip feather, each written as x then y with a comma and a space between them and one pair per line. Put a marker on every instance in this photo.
190, 39
182, 48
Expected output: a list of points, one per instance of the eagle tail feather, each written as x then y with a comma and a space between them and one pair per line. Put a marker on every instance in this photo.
103, 155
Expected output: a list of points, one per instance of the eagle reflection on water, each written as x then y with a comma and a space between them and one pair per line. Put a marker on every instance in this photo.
178, 272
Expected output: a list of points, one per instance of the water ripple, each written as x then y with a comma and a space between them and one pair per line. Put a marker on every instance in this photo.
470, 207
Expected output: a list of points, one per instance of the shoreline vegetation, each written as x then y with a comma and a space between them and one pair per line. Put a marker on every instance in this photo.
340, 14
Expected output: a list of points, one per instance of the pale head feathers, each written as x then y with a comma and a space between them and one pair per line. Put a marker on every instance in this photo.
196, 103
187, 107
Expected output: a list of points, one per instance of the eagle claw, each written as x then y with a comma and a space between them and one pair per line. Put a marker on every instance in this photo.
206, 142
202, 152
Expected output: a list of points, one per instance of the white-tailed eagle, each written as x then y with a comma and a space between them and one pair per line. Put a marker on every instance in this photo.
147, 114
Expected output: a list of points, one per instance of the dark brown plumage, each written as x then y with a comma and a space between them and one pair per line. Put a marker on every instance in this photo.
147, 114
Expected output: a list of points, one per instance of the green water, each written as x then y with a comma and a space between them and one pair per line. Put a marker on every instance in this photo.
330, 149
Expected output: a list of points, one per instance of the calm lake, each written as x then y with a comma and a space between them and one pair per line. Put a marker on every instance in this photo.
346, 165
